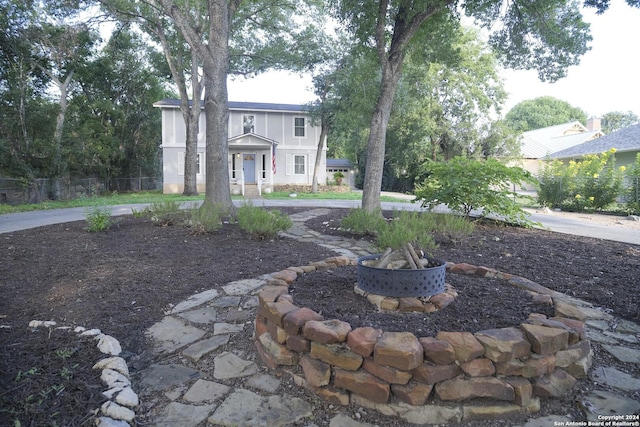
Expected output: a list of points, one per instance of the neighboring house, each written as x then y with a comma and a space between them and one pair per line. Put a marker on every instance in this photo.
626, 141
344, 166
269, 145
537, 145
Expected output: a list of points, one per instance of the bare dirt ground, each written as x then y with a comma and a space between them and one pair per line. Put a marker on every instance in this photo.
122, 280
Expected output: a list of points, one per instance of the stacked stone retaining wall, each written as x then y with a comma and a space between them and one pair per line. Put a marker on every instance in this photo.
451, 377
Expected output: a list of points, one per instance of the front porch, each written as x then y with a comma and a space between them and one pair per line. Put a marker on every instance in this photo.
251, 164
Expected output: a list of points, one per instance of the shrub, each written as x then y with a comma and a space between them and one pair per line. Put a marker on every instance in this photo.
467, 185
99, 218
592, 183
167, 213
408, 227
206, 219
632, 189
363, 222
453, 228
261, 222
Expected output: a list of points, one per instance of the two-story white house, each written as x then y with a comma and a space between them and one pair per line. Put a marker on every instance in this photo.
269, 145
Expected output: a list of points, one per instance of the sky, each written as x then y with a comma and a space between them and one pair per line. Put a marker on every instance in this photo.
607, 78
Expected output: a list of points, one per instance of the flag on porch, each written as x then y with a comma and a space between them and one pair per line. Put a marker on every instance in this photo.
273, 158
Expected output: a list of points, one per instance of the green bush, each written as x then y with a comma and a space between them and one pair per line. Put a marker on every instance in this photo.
262, 223
363, 222
206, 219
453, 228
98, 218
592, 183
632, 188
167, 213
466, 185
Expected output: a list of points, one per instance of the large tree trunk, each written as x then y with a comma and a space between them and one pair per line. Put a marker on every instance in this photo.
216, 107
215, 59
377, 137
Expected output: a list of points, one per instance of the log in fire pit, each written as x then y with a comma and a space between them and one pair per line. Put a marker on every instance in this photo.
401, 274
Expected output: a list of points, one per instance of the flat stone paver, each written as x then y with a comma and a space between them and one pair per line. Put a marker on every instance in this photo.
179, 414
201, 348
161, 377
598, 403
204, 391
243, 287
264, 382
624, 354
615, 378
222, 328
228, 365
170, 334
244, 408
342, 420
200, 315
195, 300
226, 301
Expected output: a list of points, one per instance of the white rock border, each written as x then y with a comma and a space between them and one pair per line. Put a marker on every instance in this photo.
118, 411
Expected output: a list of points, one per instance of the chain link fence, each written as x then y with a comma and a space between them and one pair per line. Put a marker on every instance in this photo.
16, 191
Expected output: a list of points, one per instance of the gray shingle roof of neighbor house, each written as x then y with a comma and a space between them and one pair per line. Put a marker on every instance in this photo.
539, 143
626, 139
249, 106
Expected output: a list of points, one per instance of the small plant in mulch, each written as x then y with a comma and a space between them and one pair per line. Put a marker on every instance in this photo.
362, 222
99, 218
51, 378
262, 223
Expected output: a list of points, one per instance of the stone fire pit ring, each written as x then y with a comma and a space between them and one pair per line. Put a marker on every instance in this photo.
450, 377
423, 282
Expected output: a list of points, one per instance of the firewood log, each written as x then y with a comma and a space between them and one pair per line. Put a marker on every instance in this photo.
408, 257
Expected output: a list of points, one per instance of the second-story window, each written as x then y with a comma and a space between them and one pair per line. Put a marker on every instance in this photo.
248, 123
298, 127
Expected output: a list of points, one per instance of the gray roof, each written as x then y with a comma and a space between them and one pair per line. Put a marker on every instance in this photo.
539, 143
626, 139
247, 106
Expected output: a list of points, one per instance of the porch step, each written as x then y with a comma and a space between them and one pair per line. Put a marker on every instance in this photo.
251, 191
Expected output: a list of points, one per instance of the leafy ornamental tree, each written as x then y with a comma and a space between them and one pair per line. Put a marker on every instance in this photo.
616, 120
542, 112
466, 185
547, 35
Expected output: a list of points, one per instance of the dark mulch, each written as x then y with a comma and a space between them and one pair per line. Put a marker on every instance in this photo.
122, 280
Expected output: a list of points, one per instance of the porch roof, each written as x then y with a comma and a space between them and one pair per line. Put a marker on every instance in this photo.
249, 141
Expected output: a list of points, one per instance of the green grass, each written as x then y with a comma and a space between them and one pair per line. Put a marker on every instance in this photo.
115, 199
354, 195
158, 197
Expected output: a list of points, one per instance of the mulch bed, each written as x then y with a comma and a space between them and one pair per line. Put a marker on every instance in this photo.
123, 280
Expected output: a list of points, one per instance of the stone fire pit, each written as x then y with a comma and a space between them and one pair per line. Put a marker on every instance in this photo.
450, 377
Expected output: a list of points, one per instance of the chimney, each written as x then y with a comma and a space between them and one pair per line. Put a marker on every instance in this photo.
593, 123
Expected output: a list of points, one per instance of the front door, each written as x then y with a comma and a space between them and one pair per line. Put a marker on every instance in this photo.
249, 167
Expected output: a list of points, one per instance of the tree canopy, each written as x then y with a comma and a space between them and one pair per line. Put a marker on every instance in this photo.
615, 120
542, 112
